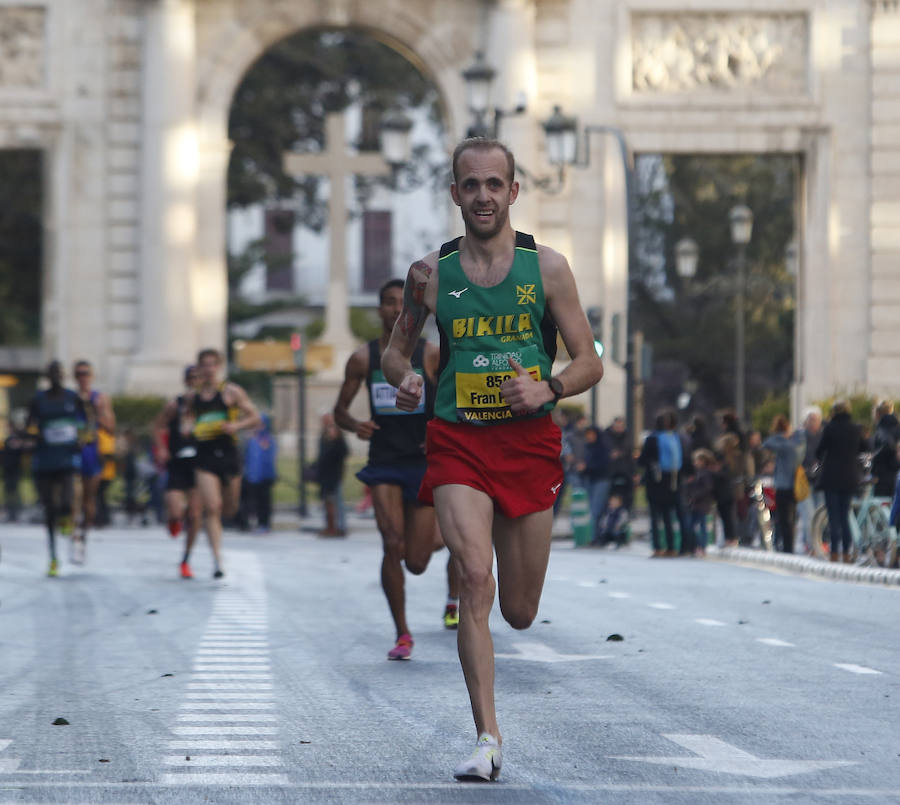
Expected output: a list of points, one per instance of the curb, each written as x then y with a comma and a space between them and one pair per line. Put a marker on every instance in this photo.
805, 564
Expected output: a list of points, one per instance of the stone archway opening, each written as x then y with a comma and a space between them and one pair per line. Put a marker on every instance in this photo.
317, 221
690, 323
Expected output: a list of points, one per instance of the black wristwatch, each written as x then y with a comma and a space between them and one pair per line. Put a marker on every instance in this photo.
556, 387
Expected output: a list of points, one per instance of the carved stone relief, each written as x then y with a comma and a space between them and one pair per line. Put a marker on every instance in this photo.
694, 52
22, 35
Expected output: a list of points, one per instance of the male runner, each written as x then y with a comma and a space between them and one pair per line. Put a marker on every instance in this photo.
98, 413
219, 410
396, 464
56, 417
493, 450
176, 449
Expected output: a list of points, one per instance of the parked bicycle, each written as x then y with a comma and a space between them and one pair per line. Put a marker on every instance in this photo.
874, 538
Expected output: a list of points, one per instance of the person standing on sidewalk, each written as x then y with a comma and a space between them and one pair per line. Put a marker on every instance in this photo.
789, 452
838, 452
493, 450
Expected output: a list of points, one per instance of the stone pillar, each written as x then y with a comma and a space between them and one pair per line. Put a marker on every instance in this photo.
883, 370
511, 52
209, 276
167, 338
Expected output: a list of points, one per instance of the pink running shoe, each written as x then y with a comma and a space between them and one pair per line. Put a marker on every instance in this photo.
402, 650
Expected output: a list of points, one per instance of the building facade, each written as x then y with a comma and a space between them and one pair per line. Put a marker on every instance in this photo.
129, 102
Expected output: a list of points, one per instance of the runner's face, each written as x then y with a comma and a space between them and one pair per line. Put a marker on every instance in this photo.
208, 370
389, 309
483, 191
190, 380
83, 376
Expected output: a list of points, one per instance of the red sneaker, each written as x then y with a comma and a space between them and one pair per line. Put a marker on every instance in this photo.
402, 650
186, 571
174, 528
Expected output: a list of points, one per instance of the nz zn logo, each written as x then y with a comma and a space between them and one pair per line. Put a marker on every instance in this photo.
526, 294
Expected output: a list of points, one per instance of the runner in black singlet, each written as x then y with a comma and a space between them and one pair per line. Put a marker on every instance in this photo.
396, 466
218, 410
177, 450
55, 420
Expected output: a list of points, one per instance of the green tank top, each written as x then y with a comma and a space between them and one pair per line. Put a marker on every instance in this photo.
481, 328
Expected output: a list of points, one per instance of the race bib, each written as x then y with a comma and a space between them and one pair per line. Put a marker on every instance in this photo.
479, 376
60, 431
209, 425
384, 396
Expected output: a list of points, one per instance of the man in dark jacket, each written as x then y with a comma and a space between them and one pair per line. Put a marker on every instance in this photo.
839, 477
621, 462
884, 449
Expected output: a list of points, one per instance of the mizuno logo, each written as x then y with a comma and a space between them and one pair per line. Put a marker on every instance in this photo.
555, 487
457, 294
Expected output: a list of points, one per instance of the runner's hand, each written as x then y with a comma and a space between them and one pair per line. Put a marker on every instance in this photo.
364, 430
523, 393
409, 392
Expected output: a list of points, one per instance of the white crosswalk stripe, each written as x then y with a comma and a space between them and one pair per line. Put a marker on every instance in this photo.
231, 676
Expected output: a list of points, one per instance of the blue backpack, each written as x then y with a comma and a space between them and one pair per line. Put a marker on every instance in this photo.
669, 448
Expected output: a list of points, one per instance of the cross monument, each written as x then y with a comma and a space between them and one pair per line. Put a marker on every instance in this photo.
335, 163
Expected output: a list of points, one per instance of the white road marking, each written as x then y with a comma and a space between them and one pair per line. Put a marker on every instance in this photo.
587, 584
216, 729
4, 742
198, 743
8, 765
855, 669
774, 641
722, 758
222, 760
708, 622
230, 685
231, 663
235, 717
538, 652
661, 606
235, 778
217, 705
620, 595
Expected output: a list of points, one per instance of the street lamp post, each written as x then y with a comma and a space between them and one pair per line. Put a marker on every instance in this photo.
686, 255
563, 149
741, 220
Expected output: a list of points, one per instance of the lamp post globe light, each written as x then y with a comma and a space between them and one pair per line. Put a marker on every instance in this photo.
396, 137
741, 220
686, 256
562, 138
479, 76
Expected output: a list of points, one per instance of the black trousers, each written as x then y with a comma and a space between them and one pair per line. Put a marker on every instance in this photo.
785, 516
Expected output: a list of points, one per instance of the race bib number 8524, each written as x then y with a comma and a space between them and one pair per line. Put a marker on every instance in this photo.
479, 376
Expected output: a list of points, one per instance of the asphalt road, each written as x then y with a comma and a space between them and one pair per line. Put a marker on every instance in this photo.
731, 684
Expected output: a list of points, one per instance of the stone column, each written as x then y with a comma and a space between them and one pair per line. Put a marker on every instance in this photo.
167, 338
511, 52
883, 370
209, 276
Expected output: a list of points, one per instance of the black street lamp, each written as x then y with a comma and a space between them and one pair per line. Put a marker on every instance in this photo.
563, 149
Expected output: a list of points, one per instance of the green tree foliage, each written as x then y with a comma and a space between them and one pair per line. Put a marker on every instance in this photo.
136, 412
693, 321
21, 250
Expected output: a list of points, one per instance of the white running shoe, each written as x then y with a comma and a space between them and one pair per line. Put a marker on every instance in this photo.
484, 763
77, 550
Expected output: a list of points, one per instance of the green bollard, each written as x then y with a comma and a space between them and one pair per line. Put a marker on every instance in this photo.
580, 514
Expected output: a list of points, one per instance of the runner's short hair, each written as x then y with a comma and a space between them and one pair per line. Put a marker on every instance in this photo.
394, 283
483, 144
209, 352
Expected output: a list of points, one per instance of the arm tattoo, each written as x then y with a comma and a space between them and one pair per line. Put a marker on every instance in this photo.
414, 310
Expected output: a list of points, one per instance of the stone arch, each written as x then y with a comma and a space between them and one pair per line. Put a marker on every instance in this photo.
231, 40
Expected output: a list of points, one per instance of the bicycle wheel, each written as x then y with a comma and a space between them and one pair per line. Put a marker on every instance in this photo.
877, 540
819, 536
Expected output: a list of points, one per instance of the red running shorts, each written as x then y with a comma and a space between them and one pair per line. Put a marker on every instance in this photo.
515, 463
